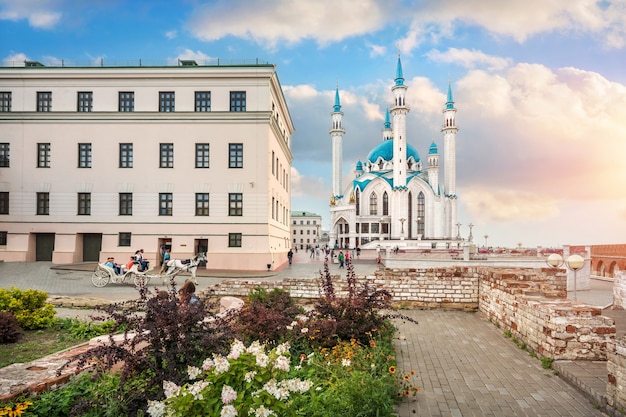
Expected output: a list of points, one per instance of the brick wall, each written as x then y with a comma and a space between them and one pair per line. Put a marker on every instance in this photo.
616, 354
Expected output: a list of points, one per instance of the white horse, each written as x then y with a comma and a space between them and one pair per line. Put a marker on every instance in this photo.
186, 265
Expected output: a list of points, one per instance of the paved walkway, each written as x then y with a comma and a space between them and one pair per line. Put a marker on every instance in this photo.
464, 365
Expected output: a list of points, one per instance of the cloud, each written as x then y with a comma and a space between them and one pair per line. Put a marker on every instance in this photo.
505, 205
198, 56
40, 14
171, 34
307, 185
376, 50
469, 59
15, 60
269, 23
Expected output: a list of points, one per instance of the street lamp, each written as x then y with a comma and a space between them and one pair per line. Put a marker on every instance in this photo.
486, 237
470, 237
458, 231
573, 263
402, 220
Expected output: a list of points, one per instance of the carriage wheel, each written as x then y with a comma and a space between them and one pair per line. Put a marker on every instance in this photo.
100, 278
138, 278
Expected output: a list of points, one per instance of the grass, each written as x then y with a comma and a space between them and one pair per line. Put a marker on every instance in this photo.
35, 344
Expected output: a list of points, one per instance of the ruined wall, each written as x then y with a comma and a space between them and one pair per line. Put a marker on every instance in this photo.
619, 290
531, 304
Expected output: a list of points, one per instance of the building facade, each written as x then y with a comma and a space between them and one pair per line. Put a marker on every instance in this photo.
395, 195
305, 229
102, 161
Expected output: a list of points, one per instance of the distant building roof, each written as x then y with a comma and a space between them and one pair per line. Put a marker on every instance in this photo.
304, 214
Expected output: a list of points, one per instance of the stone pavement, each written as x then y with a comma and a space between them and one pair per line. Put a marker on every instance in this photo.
464, 365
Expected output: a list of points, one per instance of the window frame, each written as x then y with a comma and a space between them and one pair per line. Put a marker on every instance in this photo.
166, 204
44, 101
124, 239
84, 101
84, 204
84, 155
235, 240
238, 101
125, 204
125, 101
203, 201
126, 155
167, 101
4, 202
235, 204
5, 155
202, 102
6, 101
43, 155
43, 204
235, 155
203, 155
166, 155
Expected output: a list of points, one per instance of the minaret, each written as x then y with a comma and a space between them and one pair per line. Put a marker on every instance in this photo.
433, 167
449, 130
336, 133
387, 132
399, 112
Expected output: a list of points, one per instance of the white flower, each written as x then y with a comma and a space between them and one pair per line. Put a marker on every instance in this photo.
345, 362
282, 363
261, 412
279, 391
282, 348
236, 349
249, 376
228, 394
304, 330
170, 389
196, 389
221, 364
228, 411
262, 360
255, 347
208, 364
193, 372
156, 408
296, 385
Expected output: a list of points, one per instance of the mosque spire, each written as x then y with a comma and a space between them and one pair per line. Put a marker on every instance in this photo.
450, 102
337, 107
399, 76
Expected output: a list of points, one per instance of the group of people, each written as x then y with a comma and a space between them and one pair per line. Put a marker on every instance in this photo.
137, 258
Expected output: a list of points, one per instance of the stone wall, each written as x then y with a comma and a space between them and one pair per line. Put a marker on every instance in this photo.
619, 290
531, 304
616, 360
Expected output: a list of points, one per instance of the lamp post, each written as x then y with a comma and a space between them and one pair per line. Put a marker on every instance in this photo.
458, 231
402, 220
470, 237
573, 263
486, 237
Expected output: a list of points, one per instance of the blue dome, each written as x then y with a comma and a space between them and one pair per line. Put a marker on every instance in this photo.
359, 166
433, 149
385, 150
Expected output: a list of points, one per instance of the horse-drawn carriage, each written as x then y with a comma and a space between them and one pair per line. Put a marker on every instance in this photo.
104, 274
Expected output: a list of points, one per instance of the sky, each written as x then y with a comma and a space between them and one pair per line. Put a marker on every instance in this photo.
539, 87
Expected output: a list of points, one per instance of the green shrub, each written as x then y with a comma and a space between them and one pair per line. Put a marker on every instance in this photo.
87, 329
28, 306
10, 331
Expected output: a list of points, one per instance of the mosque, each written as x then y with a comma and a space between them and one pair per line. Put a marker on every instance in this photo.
395, 198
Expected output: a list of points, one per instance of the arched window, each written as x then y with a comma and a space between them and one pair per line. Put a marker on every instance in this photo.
385, 204
380, 164
358, 202
421, 213
373, 204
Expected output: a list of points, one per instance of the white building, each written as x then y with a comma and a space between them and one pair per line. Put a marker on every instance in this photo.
104, 160
395, 196
305, 229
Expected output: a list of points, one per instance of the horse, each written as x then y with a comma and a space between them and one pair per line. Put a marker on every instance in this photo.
186, 265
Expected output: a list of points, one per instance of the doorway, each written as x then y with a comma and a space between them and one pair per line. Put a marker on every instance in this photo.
44, 246
92, 245
165, 244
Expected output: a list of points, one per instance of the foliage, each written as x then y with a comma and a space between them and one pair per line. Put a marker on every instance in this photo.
28, 306
159, 344
249, 381
266, 317
10, 331
546, 363
87, 329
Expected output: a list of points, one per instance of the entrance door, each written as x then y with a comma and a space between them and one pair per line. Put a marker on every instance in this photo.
92, 245
201, 245
165, 243
44, 246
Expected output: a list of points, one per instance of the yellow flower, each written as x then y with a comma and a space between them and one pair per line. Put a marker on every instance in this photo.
406, 377
392, 370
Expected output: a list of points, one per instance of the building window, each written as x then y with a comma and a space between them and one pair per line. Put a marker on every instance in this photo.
373, 204
375, 228
123, 239
295, 232
202, 155
126, 155
84, 155
358, 202
203, 101
44, 101
166, 101
365, 227
166, 201
85, 101
234, 240
273, 163
237, 101
421, 213
126, 204
385, 204
5, 101
43, 204
235, 155
126, 101
4, 155
43, 155
167, 155
84, 204
202, 204
4, 202
235, 204
3, 238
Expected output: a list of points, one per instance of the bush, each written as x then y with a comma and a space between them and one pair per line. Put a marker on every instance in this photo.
28, 306
10, 331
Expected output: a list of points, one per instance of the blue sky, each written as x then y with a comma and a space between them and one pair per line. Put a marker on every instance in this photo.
540, 89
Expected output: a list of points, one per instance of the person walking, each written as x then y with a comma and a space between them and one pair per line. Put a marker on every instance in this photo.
341, 258
290, 256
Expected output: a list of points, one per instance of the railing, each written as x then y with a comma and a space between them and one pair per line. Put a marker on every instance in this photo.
101, 62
